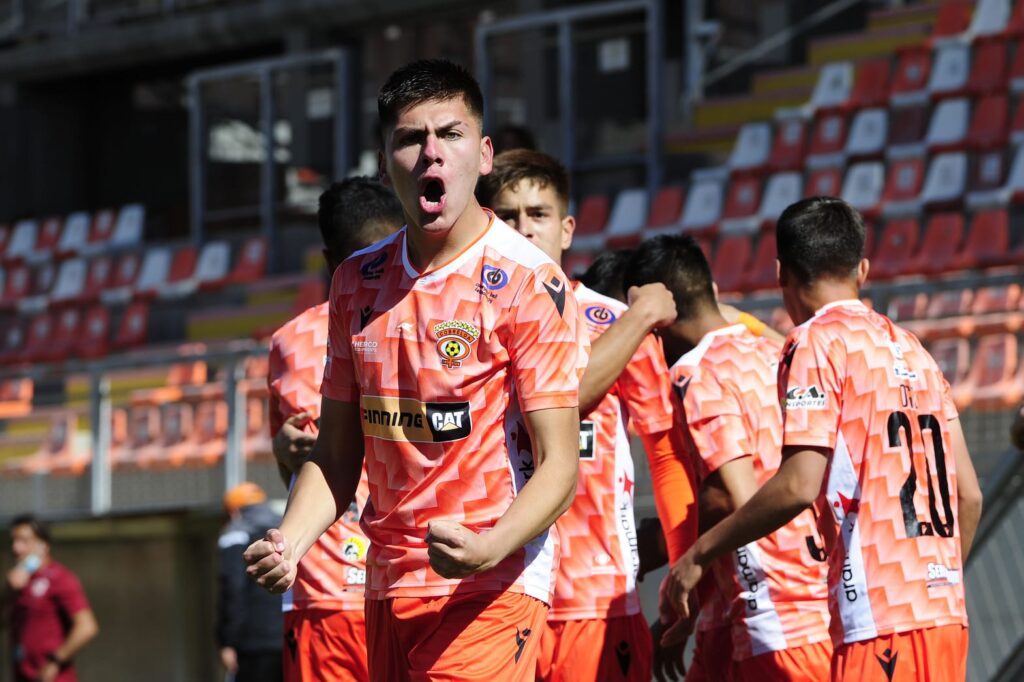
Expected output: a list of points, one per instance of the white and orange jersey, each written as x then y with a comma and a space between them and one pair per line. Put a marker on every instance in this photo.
440, 362
598, 559
854, 383
775, 589
332, 574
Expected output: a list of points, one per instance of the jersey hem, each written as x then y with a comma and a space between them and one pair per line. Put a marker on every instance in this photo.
862, 635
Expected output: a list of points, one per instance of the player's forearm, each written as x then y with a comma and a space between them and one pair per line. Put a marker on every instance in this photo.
83, 629
609, 355
314, 504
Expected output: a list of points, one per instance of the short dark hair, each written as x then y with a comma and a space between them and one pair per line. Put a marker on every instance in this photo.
39, 527
678, 262
355, 213
515, 165
428, 80
820, 238
605, 275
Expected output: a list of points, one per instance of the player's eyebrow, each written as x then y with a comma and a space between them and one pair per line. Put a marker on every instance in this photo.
411, 130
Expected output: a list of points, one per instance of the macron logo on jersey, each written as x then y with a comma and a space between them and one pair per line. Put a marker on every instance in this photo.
373, 268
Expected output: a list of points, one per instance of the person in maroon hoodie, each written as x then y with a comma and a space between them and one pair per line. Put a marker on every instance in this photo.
48, 613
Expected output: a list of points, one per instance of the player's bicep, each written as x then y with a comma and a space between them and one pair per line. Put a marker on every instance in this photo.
736, 478
340, 440
555, 435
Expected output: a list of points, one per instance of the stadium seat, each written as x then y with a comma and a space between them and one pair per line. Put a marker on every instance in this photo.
590, 223
762, 271
49, 235
902, 187
939, 245
907, 128
212, 267
823, 183
950, 70
828, 140
666, 209
896, 249
257, 438
946, 181
102, 231
985, 183
731, 262
990, 123
863, 185
946, 315
868, 134
948, 127
989, 385
141, 443
17, 286
1015, 25
54, 455
39, 343
906, 307
910, 82
741, 206
12, 340
5, 235
175, 440
788, 148
835, 83
252, 261
752, 148
990, 18
154, 272
871, 85
627, 219
94, 340
22, 243
75, 237
97, 277
989, 68
703, 206
781, 190
211, 425
953, 358
128, 230
133, 327
121, 283
69, 329
71, 282
181, 275
987, 243
996, 309
952, 19
38, 295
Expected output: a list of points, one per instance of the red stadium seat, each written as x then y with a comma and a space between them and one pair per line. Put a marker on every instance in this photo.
102, 230
40, 344
49, 236
953, 18
133, 327
94, 340
996, 309
667, 207
946, 316
591, 221
953, 358
907, 127
5, 236
731, 263
97, 278
903, 187
762, 271
895, 251
990, 123
942, 238
986, 179
17, 286
69, 331
1015, 26
990, 383
251, 262
826, 182
906, 307
741, 206
987, 243
909, 82
828, 141
788, 149
871, 85
989, 68
121, 283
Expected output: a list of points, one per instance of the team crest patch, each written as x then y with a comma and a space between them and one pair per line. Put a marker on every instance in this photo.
354, 548
454, 341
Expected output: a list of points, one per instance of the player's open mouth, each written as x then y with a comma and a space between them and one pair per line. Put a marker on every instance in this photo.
432, 196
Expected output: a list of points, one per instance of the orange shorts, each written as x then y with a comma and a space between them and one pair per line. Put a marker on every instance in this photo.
484, 636
325, 645
808, 663
933, 654
712, 656
596, 649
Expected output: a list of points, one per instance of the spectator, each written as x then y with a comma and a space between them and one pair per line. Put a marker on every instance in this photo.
49, 615
249, 619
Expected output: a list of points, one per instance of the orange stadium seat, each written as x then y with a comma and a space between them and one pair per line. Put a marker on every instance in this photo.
996, 308
828, 140
942, 238
989, 67
781, 190
946, 182
903, 187
140, 447
703, 206
667, 208
910, 80
948, 127
176, 442
953, 358
990, 384
897, 247
75, 236
868, 134
951, 67
987, 243
591, 221
257, 432
211, 426
627, 219
55, 452
181, 275
741, 206
94, 340
16, 397
907, 128
906, 307
762, 271
752, 149
732, 262
871, 85
251, 262
788, 148
946, 315
825, 182
953, 18
133, 327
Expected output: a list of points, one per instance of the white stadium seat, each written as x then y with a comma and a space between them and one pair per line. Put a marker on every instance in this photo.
703, 205
781, 190
70, 281
990, 17
131, 222
862, 187
76, 234
629, 214
950, 69
752, 148
946, 179
868, 133
22, 244
835, 81
214, 263
155, 267
949, 123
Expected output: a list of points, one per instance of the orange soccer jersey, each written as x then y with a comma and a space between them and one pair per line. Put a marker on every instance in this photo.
775, 588
332, 574
440, 363
857, 384
598, 557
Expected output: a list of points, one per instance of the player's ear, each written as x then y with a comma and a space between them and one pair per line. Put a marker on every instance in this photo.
382, 169
714, 288
779, 273
568, 229
486, 155
862, 271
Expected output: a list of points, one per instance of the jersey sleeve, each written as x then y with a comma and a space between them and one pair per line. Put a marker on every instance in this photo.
714, 417
949, 410
674, 484
645, 387
70, 596
810, 387
340, 382
548, 346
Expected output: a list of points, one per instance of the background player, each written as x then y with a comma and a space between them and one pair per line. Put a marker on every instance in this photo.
325, 625
866, 404
596, 630
774, 589
438, 336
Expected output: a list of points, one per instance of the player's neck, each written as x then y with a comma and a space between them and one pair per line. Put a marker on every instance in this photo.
429, 251
694, 329
820, 293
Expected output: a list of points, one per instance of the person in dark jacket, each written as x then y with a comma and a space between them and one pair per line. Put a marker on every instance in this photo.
249, 619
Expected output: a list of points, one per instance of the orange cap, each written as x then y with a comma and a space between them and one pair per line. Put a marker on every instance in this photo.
243, 495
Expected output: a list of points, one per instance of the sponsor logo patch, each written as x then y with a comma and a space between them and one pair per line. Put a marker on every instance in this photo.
598, 314
942, 576
494, 278
373, 268
587, 440
454, 341
354, 548
811, 398
411, 421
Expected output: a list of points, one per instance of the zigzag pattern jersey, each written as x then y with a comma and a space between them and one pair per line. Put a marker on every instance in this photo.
440, 364
773, 591
598, 557
855, 383
332, 575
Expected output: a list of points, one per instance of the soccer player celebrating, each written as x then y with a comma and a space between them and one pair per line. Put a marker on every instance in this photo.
867, 412
596, 630
325, 629
439, 336
769, 610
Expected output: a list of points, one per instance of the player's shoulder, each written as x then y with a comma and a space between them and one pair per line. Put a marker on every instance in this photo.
505, 244
370, 262
599, 311
308, 319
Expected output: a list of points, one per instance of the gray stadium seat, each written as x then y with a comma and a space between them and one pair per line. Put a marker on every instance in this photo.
946, 180
862, 187
835, 82
950, 69
628, 216
752, 148
948, 127
868, 133
703, 205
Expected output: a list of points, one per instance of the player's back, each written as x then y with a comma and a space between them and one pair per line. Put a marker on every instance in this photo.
858, 384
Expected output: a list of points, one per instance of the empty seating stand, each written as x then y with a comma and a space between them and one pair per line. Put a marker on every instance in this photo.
627, 219
666, 210
590, 223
